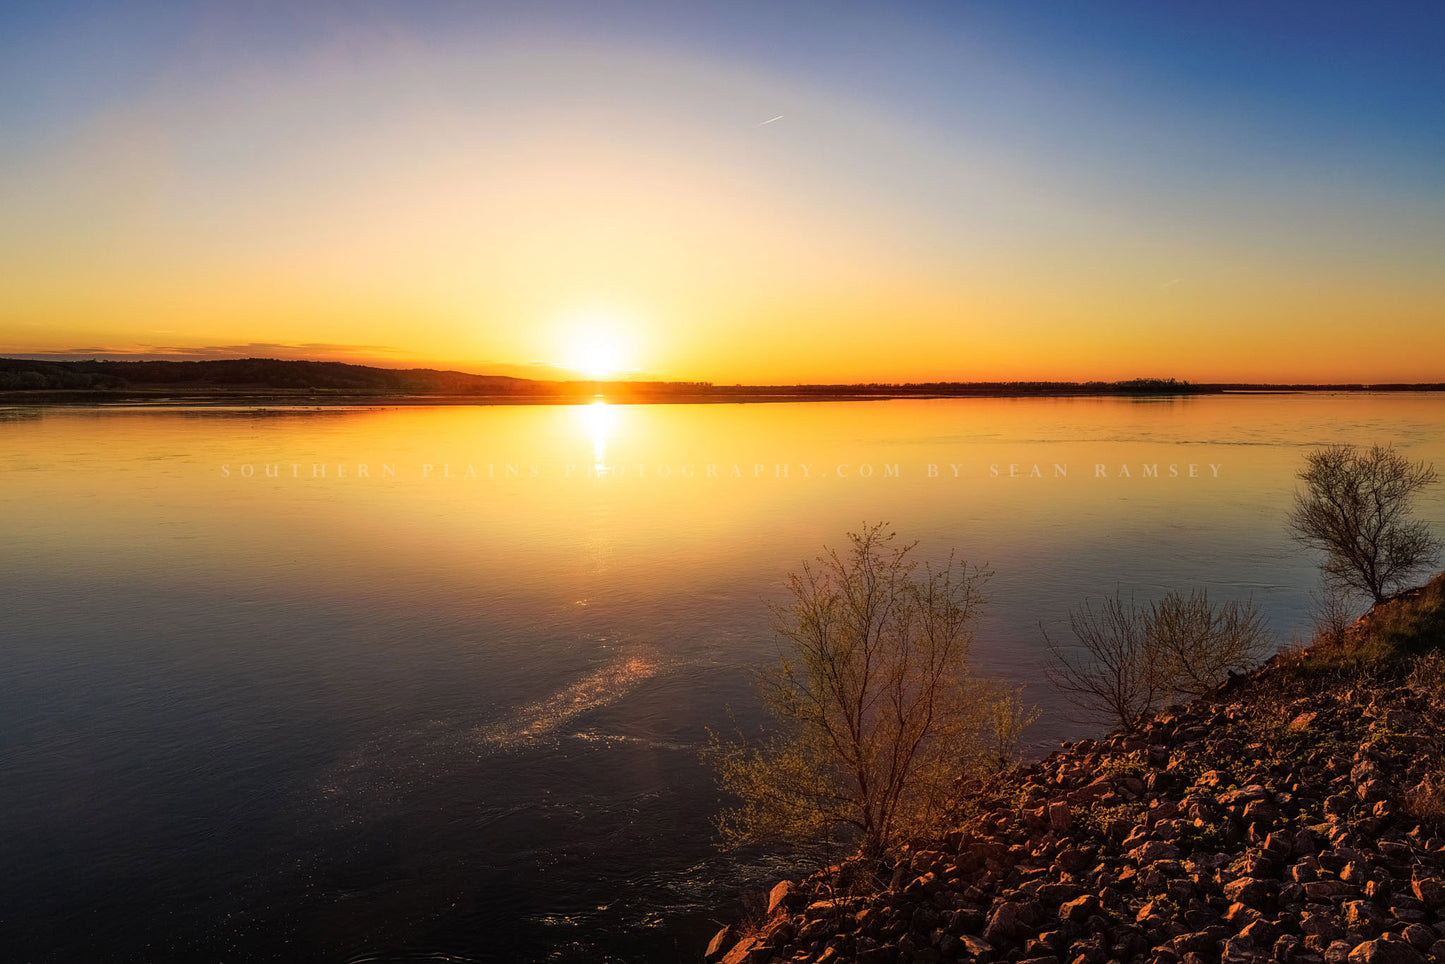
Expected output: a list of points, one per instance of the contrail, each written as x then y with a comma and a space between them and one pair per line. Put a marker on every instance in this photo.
770, 120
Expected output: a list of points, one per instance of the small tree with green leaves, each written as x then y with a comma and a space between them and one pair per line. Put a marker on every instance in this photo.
1356, 507
879, 712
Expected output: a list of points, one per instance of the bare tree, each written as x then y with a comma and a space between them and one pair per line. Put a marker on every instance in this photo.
1127, 659
881, 714
1115, 676
1196, 644
1356, 507
1331, 614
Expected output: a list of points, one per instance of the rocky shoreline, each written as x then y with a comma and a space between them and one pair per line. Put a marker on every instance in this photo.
1296, 814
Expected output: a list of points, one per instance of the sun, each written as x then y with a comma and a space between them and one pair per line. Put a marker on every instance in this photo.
597, 347
597, 355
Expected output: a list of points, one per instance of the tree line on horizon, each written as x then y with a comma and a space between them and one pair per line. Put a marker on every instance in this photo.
18, 374
298, 375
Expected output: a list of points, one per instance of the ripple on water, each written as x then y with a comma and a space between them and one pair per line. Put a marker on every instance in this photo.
601, 687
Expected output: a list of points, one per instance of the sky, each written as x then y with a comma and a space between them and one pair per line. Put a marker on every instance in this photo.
732, 192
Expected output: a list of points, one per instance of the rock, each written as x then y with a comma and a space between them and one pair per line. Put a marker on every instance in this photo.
822, 927
926, 860
1304, 871
1153, 850
749, 950
1337, 953
720, 942
1153, 908
1261, 813
1322, 927
1245, 795
976, 947
824, 908
1079, 910
1323, 890
1072, 859
1277, 845
922, 886
1052, 893
778, 932
1385, 952
1199, 915
1009, 921
1285, 948
1249, 891
1355, 873
1429, 890
1060, 817
1304, 721
778, 896
1260, 933
1338, 805
1363, 916
1238, 950
1258, 865
1419, 936
1201, 942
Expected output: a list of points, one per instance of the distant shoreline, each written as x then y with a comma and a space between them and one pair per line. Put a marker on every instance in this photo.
269, 381
219, 398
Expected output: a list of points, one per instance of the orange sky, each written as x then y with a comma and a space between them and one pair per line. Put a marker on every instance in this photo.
552, 199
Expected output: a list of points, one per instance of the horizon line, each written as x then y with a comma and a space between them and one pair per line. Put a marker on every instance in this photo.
74, 357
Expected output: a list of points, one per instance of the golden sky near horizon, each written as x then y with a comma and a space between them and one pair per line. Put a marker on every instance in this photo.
548, 198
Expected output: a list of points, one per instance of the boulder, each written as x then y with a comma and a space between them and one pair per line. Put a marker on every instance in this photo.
1362, 916
1153, 850
1010, 920
1385, 952
1080, 909
778, 896
1249, 891
976, 947
1429, 890
749, 950
1337, 953
1419, 936
720, 942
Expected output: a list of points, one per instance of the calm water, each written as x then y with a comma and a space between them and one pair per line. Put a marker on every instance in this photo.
433, 711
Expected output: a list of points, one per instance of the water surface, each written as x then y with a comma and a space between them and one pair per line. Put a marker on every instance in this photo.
374, 683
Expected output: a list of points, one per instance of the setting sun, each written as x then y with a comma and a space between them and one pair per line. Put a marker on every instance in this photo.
597, 349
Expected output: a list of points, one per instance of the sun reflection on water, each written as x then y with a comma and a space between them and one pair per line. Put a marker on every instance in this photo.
600, 422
